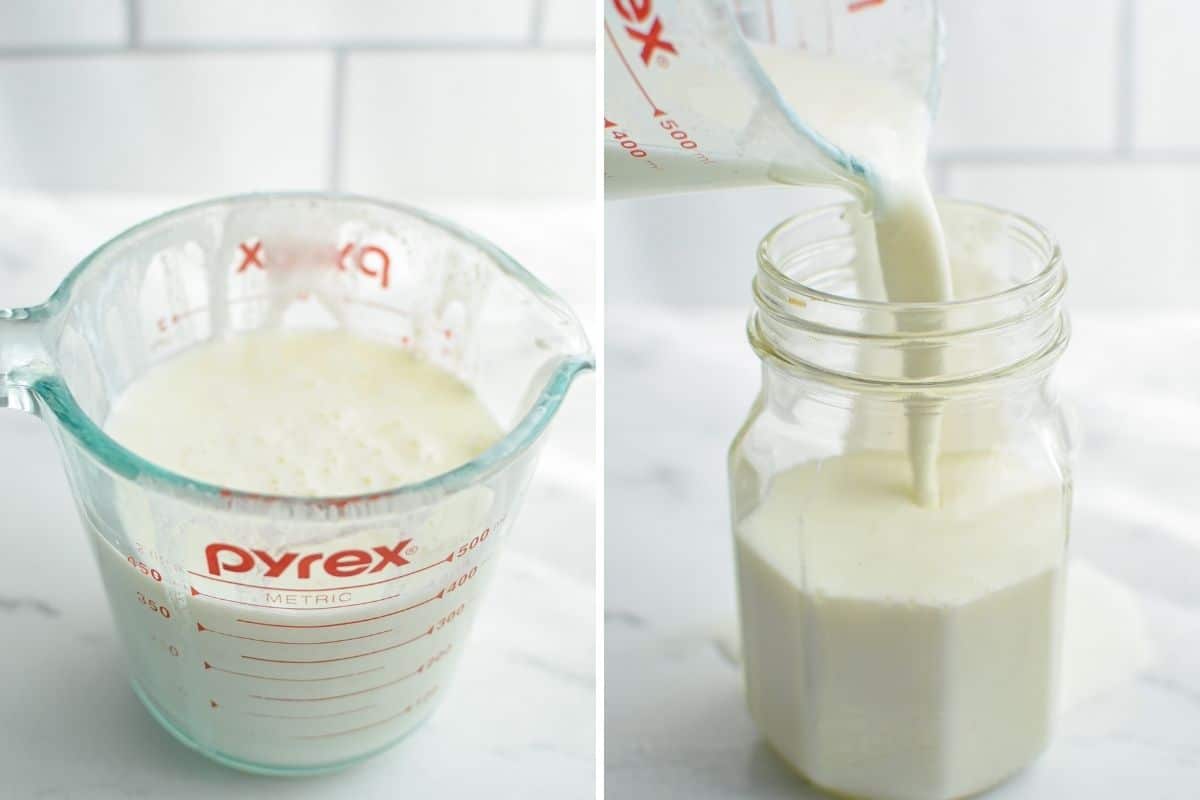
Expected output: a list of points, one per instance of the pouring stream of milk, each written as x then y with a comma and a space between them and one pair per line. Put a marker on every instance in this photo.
885, 124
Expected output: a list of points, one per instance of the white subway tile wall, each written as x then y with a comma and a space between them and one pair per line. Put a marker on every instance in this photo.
417, 123
27, 24
197, 97
570, 21
205, 124
1127, 230
1167, 64
1081, 114
1026, 75
325, 21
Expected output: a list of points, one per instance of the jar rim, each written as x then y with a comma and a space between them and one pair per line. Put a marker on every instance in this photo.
1037, 233
1016, 331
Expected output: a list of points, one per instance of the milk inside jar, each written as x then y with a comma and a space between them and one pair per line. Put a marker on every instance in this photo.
900, 494
308, 653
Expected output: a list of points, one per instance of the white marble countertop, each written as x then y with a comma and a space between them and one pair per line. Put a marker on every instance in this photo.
519, 720
677, 387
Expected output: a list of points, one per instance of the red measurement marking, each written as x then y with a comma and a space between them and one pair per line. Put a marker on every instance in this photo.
205, 575
859, 5
383, 264
370, 260
164, 323
251, 256
658, 112
437, 596
651, 40
346, 250
200, 627
608, 123
290, 680
333, 564
385, 720
338, 696
197, 593
342, 658
310, 716
639, 13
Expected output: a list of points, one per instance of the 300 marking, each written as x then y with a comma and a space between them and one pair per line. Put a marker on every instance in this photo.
446, 620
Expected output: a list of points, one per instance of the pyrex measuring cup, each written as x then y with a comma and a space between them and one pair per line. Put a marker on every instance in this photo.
284, 634
688, 107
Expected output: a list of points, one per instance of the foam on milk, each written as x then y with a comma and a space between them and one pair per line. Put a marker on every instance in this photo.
305, 668
894, 651
307, 414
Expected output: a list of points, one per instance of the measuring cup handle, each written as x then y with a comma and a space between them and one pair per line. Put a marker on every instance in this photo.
24, 355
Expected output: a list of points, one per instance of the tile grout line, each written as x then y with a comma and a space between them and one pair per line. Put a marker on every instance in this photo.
537, 23
1126, 29
337, 108
133, 24
1062, 157
215, 48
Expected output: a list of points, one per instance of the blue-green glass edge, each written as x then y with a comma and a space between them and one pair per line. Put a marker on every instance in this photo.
52, 391
845, 160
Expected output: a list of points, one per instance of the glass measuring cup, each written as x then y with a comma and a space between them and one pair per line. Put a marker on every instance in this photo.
283, 634
688, 107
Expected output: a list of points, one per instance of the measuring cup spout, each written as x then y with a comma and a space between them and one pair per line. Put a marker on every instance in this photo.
24, 356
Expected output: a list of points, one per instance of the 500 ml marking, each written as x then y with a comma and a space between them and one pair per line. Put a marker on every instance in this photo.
674, 129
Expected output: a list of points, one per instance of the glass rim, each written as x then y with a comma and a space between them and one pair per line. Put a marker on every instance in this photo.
931, 94
53, 392
1050, 270
778, 296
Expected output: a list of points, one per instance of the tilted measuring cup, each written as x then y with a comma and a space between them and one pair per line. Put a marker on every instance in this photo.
284, 634
688, 107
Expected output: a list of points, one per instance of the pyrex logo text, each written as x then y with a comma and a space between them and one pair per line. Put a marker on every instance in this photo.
342, 564
639, 13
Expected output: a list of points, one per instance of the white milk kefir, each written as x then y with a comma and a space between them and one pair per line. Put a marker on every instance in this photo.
900, 610
930, 634
306, 652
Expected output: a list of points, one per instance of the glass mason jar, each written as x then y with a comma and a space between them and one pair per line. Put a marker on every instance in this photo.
899, 645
